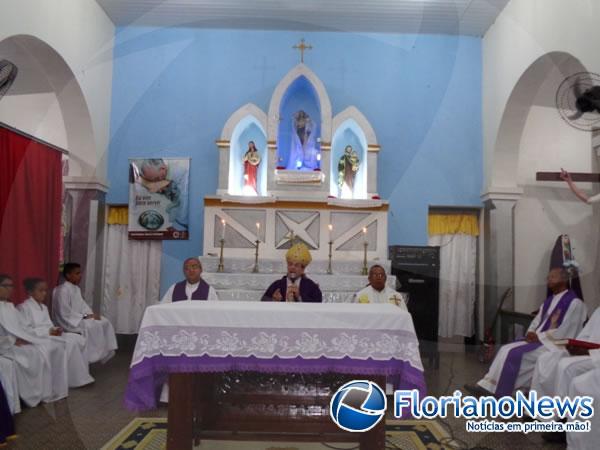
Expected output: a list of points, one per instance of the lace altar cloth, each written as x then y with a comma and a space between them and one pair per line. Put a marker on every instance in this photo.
269, 337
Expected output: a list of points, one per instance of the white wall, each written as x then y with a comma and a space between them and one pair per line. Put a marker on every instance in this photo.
522, 33
525, 31
81, 33
548, 209
38, 114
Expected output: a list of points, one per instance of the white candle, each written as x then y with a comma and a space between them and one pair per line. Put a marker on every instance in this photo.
223, 229
330, 230
257, 230
365, 234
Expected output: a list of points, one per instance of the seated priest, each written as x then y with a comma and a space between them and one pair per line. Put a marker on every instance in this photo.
73, 315
554, 370
37, 320
561, 316
40, 367
377, 291
295, 286
193, 287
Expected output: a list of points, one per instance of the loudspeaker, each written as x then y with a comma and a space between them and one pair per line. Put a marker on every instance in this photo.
417, 271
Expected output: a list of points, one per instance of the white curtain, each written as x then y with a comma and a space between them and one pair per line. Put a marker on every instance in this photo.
132, 279
457, 283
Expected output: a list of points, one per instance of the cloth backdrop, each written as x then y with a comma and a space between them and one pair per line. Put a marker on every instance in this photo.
132, 275
456, 235
30, 210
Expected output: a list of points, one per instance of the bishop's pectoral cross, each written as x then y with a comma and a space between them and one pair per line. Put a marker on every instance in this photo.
576, 176
302, 46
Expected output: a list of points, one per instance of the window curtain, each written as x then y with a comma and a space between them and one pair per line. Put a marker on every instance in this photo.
30, 210
456, 235
131, 275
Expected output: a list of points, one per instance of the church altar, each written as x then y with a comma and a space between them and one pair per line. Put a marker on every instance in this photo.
313, 179
186, 338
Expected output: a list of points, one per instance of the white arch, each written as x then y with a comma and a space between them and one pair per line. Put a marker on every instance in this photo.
352, 112
249, 109
42, 70
506, 149
324, 102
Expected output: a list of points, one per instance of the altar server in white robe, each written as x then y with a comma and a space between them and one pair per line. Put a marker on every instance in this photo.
40, 364
73, 315
37, 319
555, 369
561, 316
8, 376
377, 291
587, 384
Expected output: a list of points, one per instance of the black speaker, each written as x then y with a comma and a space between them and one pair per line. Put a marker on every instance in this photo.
417, 271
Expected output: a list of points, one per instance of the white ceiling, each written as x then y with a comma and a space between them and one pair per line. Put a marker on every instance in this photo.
468, 17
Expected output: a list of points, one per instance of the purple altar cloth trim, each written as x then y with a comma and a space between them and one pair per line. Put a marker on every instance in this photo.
147, 377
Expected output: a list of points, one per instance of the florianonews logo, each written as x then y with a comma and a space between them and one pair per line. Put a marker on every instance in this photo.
358, 406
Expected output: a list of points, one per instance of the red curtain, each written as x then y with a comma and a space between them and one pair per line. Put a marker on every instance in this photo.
30, 210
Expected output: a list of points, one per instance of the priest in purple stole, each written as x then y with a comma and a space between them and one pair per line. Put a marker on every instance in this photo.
295, 286
561, 317
193, 287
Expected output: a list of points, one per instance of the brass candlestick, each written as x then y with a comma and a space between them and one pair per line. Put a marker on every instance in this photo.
255, 270
329, 271
221, 267
365, 269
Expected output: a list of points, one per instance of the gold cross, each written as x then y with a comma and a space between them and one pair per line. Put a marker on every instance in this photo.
302, 46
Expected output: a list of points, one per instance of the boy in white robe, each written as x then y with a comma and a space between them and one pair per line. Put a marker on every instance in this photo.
73, 315
8, 377
40, 365
37, 320
555, 369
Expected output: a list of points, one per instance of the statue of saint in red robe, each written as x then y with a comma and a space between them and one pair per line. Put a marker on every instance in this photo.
251, 162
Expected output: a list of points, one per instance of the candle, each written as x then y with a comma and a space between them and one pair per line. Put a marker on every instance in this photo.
257, 230
223, 229
365, 234
330, 230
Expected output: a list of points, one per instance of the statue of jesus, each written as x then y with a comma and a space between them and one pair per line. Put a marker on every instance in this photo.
251, 162
303, 151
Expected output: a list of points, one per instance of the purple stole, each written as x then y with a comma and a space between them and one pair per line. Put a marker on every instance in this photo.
512, 365
199, 294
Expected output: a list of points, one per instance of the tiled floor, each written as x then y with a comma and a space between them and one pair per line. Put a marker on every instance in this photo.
92, 415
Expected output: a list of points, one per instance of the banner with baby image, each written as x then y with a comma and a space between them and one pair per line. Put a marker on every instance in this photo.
158, 198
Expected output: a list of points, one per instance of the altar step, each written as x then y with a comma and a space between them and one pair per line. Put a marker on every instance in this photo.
279, 266
261, 281
254, 295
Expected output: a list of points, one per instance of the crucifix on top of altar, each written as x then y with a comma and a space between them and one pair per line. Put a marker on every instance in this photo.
297, 172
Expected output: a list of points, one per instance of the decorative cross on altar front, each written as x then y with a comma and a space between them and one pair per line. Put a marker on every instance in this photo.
302, 46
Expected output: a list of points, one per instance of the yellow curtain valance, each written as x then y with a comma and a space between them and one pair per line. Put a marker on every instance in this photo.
118, 215
453, 224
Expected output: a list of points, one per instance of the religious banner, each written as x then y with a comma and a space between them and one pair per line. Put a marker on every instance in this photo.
158, 198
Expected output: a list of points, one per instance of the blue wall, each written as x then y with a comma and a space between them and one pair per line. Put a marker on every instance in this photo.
174, 89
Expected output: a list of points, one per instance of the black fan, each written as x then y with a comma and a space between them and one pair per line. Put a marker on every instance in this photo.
8, 73
578, 101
